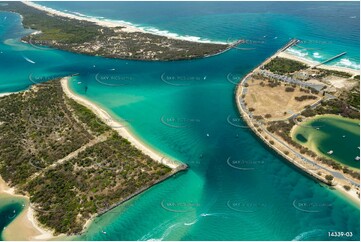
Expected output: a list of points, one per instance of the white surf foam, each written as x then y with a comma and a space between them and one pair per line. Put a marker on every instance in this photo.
316, 55
296, 52
146, 29
344, 62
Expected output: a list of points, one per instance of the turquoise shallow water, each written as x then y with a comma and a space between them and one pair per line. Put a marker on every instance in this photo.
342, 136
9, 209
236, 188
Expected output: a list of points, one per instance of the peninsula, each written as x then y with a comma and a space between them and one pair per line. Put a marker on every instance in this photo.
70, 158
89, 36
285, 93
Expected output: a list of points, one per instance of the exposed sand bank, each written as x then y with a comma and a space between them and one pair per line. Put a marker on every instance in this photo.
24, 226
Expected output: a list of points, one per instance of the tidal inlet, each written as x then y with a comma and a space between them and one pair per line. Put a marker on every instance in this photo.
179, 121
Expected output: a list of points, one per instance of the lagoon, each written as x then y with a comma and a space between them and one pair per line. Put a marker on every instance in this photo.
329, 132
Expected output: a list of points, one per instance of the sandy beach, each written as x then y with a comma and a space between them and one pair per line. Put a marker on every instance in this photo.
126, 27
106, 118
25, 226
104, 23
6, 94
312, 63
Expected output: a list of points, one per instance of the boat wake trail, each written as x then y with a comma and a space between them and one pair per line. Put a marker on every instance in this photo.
308, 235
29, 60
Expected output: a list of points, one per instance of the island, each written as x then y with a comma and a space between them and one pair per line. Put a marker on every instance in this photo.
70, 158
309, 114
78, 34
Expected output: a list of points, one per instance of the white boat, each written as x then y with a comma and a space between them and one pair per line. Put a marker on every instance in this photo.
330, 152
357, 158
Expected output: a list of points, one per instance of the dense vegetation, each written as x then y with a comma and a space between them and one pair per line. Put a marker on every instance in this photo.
34, 136
284, 66
305, 97
352, 97
89, 38
325, 72
333, 106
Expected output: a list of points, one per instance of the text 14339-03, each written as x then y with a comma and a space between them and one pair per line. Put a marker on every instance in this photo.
340, 234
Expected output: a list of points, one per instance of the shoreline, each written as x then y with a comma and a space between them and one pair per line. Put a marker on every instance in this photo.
126, 27
175, 165
310, 63
297, 160
122, 131
25, 221
6, 94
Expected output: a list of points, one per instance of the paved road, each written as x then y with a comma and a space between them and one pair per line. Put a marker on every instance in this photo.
336, 174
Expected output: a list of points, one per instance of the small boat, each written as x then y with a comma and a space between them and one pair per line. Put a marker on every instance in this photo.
343, 136
357, 158
79, 83
207, 135
104, 232
317, 128
330, 152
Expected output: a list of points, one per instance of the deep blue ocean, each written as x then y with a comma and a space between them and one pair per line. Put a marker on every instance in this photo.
236, 188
